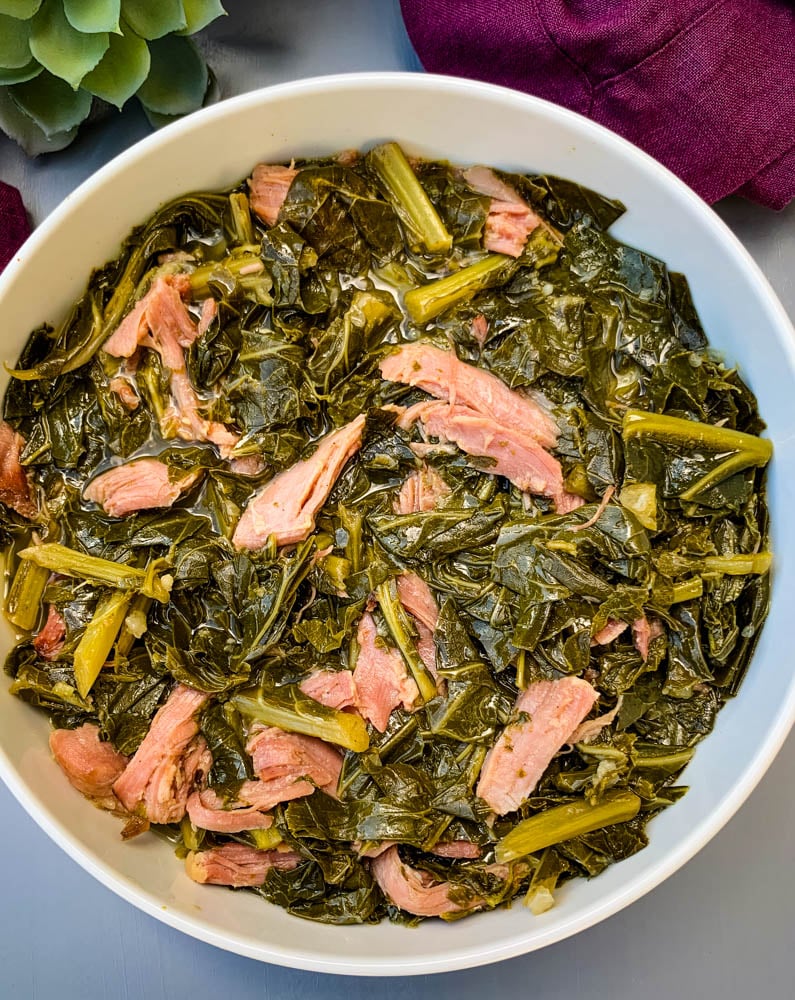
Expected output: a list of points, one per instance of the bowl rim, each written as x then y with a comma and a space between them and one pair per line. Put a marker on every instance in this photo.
636, 887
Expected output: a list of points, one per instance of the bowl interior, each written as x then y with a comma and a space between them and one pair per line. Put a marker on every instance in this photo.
466, 123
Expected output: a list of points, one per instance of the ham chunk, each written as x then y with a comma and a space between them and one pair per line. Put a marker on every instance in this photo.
15, 488
421, 491
644, 630
293, 757
381, 677
548, 713
161, 322
185, 416
90, 765
522, 460
457, 849
161, 774
264, 795
237, 865
143, 484
510, 220
287, 506
126, 392
416, 597
208, 811
49, 642
441, 374
332, 688
412, 890
269, 186
612, 630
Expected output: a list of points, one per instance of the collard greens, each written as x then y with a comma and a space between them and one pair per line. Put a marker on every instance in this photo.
658, 444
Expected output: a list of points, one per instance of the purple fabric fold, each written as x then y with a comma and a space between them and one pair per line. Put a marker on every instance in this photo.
14, 224
708, 88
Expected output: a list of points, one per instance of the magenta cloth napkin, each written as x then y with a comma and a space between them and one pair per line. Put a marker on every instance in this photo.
14, 225
706, 87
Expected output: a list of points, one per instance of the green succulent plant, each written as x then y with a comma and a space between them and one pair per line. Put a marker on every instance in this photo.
57, 56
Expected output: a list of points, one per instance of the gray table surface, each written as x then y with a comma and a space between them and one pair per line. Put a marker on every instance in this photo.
722, 927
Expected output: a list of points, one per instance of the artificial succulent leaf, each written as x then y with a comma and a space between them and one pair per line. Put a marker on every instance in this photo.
177, 80
51, 103
122, 69
60, 48
91, 16
154, 18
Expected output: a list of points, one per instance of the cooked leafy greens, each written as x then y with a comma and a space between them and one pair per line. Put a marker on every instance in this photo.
639, 581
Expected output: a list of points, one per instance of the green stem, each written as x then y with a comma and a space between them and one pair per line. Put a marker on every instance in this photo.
23, 602
639, 423
738, 565
408, 197
429, 300
401, 630
242, 227
266, 840
352, 521
97, 640
139, 608
566, 822
70, 562
248, 262
289, 709
732, 465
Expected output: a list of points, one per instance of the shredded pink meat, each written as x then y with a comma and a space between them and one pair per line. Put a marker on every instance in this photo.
269, 186
332, 688
161, 774
413, 890
612, 630
264, 795
421, 490
90, 765
381, 677
126, 392
480, 328
441, 374
523, 751
161, 322
512, 454
209, 312
248, 465
144, 484
293, 757
416, 597
644, 630
49, 642
510, 220
209, 811
15, 488
237, 865
457, 849
588, 730
287, 506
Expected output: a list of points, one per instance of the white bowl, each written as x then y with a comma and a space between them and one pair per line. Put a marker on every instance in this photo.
464, 122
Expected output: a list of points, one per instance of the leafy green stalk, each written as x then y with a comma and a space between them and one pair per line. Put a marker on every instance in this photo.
427, 301
243, 263
134, 624
738, 565
639, 423
732, 465
412, 204
566, 822
288, 708
242, 226
69, 562
401, 631
97, 640
352, 521
23, 602
266, 840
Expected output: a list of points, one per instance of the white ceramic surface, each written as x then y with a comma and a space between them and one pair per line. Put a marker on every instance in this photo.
465, 122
